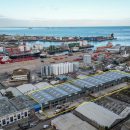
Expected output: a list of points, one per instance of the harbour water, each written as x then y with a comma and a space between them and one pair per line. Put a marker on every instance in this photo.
121, 33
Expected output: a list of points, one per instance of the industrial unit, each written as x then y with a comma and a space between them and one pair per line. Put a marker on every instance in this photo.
52, 96
23, 102
100, 82
9, 113
97, 115
70, 122
26, 88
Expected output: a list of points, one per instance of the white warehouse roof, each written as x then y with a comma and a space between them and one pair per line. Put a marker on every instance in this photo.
71, 122
98, 114
26, 88
15, 91
42, 85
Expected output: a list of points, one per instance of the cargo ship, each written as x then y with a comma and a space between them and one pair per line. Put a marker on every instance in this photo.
15, 52
68, 46
99, 38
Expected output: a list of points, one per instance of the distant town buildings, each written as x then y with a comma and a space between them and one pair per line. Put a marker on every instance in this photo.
87, 59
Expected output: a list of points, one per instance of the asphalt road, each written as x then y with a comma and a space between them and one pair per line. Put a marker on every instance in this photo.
40, 125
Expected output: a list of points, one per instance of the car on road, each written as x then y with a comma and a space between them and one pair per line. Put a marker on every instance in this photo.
45, 126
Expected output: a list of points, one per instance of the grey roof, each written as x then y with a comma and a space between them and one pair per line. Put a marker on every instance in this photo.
82, 84
71, 122
71, 89
94, 81
22, 102
6, 107
53, 93
15, 91
1, 86
42, 97
98, 114
67, 89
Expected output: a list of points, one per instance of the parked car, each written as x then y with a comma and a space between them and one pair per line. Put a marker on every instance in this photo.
45, 126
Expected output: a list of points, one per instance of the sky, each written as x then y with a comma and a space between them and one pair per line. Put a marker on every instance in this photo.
39, 13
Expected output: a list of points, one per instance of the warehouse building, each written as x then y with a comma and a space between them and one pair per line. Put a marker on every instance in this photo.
70, 122
100, 82
41, 85
9, 114
23, 102
96, 115
52, 96
26, 88
15, 92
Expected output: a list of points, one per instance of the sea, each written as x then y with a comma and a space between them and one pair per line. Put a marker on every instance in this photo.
121, 33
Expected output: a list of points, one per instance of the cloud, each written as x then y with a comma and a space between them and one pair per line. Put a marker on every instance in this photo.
8, 22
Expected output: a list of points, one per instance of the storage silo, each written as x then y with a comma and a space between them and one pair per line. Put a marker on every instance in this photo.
57, 69
61, 68
67, 67
75, 66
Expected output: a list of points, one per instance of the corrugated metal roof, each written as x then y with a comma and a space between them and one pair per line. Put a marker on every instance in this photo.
53, 93
98, 114
25, 88
71, 122
15, 91
42, 85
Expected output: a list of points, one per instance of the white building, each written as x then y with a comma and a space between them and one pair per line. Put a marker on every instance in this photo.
9, 114
87, 59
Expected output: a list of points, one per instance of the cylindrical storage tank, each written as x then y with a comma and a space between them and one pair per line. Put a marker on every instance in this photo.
64, 68
57, 69
69, 66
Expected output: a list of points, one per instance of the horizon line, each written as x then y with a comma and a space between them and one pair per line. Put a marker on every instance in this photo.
65, 26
